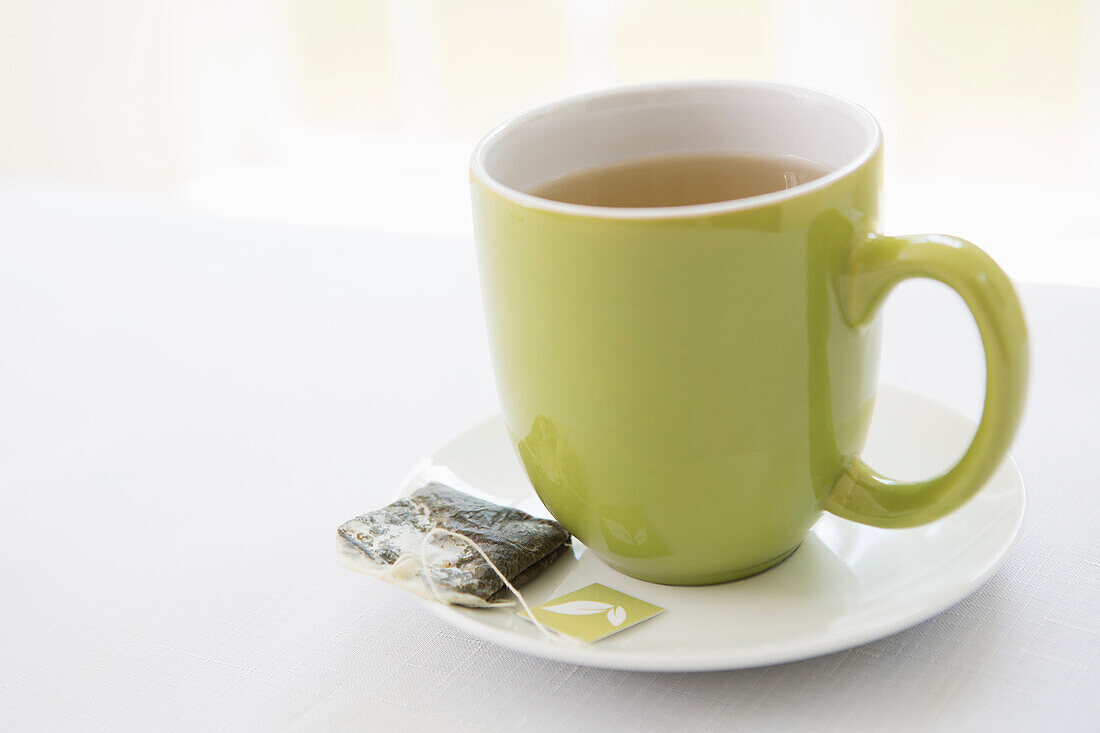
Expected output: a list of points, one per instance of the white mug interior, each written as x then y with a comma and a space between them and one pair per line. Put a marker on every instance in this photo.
631, 123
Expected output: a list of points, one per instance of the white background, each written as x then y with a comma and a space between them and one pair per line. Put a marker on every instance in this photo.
361, 113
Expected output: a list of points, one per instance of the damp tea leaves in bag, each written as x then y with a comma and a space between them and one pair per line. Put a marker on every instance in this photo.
411, 543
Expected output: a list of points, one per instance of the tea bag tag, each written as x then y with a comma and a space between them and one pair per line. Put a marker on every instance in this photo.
591, 613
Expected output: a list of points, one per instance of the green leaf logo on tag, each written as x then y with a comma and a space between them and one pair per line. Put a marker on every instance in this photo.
593, 612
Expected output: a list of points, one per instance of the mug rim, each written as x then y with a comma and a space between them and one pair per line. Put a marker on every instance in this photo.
479, 173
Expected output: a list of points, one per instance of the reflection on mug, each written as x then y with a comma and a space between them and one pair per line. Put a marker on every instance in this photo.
626, 532
843, 367
549, 458
551, 464
553, 468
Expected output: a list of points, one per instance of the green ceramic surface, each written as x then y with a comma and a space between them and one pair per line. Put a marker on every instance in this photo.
687, 394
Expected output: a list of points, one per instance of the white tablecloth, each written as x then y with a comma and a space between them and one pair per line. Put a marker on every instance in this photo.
190, 406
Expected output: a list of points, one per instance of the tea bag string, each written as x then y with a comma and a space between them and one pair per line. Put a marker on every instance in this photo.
556, 638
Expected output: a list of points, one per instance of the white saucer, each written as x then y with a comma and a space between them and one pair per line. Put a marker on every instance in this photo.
847, 584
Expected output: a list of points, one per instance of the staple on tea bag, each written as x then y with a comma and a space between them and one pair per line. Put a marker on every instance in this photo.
552, 635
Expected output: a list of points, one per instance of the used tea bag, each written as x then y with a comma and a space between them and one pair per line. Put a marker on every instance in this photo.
389, 543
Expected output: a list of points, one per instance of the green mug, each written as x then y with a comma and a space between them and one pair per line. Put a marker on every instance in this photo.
690, 387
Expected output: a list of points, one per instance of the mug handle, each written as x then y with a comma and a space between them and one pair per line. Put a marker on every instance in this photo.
874, 267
